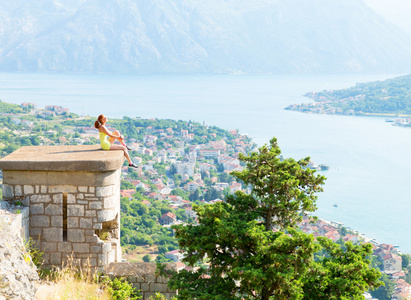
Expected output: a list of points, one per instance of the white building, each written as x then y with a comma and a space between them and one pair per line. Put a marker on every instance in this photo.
185, 168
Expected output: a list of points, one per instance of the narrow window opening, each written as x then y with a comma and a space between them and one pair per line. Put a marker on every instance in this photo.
65, 217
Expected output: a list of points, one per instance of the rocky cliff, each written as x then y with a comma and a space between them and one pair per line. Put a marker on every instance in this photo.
18, 276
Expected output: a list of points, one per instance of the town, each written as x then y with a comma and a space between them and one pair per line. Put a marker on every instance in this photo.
179, 164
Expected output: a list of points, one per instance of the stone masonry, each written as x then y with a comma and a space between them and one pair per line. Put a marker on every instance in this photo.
73, 196
143, 278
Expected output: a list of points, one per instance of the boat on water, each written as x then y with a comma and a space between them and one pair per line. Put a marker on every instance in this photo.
320, 167
389, 120
323, 167
335, 205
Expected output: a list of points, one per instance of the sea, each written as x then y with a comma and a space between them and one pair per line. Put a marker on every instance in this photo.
369, 180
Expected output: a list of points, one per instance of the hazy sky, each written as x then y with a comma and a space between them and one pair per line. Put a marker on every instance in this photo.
396, 11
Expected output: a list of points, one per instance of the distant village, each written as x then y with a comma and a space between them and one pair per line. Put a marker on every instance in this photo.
323, 105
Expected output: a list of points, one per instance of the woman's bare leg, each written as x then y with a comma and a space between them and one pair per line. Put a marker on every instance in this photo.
113, 139
121, 140
119, 147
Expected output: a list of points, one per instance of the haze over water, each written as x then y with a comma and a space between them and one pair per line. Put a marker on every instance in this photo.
369, 159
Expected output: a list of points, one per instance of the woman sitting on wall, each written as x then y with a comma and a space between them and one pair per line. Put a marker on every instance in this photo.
108, 138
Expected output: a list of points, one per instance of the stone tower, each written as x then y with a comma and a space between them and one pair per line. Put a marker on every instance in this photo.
73, 195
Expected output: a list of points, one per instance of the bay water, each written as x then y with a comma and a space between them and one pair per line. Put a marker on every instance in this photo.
370, 160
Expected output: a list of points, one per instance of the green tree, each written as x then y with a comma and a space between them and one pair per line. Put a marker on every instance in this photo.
249, 260
405, 260
385, 291
146, 258
195, 195
126, 185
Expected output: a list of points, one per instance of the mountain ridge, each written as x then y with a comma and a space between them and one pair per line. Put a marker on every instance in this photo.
133, 36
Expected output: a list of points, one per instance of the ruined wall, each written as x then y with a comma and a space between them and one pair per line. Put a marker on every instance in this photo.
143, 277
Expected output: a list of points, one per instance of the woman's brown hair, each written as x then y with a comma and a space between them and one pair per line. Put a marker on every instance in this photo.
99, 121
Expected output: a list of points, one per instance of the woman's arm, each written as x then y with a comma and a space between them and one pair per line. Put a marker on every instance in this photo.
106, 131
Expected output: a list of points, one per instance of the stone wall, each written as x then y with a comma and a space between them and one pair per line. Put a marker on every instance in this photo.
88, 209
143, 277
73, 197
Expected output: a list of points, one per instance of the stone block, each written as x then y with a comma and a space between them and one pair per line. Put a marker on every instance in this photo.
58, 198
91, 213
95, 249
106, 247
137, 286
72, 222
40, 198
86, 223
112, 256
141, 279
8, 191
159, 287
28, 189
81, 248
54, 209
150, 278
75, 235
43, 189
46, 258
89, 232
93, 199
26, 201
110, 202
102, 259
53, 234
55, 258
105, 215
39, 221
95, 205
71, 199
57, 221
37, 209
35, 233
92, 239
67, 258
75, 210
81, 201
37, 189
91, 189
97, 226
64, 247
62, 189
93, 262
80, 196
90, 196
161, 279
83, 189
48, 247
104, 191
145, 287
18, 191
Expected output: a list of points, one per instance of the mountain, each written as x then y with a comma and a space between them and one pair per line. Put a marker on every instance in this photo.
395, 11
193, 36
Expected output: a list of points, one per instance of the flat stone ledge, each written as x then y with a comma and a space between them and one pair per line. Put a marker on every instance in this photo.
89, 158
